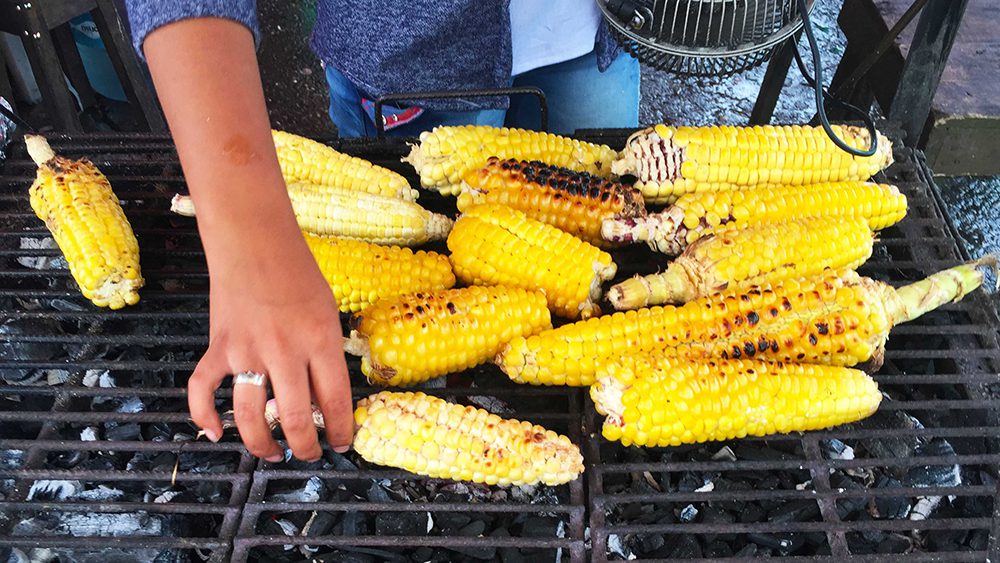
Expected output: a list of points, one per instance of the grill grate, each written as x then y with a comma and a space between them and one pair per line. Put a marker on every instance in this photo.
940, 370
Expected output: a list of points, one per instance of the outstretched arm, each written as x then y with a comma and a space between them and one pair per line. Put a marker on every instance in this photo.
271, 309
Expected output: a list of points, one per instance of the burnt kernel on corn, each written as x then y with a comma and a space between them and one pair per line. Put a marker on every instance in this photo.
432, 437
493, 244
360, 273
79, 208
669, 162
575, 202
445, 332
865, 308
305, 160
697, 215
446, 154
659, 400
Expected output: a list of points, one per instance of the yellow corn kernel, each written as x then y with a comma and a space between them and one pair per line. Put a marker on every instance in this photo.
492, 450
361, 273
77, 204
496, 245
441, 332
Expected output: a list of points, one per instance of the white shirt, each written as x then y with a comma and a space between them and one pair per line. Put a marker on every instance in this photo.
546, 32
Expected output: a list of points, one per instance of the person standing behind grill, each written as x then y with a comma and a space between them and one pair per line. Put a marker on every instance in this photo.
272, 316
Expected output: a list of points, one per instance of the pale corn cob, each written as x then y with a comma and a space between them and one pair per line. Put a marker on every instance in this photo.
671, 161
496, 245
419, 336
305, 160
339, 212
837, 318
760, 254
659, 401
443, 156
88, 224
432, 437
575, 202
695, 215
361, 273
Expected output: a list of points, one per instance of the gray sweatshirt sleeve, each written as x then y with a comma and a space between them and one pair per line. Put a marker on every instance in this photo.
144, 16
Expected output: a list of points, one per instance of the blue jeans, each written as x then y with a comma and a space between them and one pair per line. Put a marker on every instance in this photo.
579, 97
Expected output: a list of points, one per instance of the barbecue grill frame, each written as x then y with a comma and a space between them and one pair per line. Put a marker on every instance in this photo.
587, 499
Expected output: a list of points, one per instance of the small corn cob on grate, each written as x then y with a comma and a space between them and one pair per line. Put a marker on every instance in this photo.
671, 161
361, 273
446, 154
760, 254
496, 245
305, 160
339, 212
416, 337
695, 215
836, 318
432, 437
77, 204
575, 202
659, 401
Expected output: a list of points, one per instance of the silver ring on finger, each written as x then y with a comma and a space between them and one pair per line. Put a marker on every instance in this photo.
250, 378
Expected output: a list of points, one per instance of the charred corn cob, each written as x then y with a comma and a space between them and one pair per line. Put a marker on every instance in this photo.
343, 213
575, 202
420, 336
444, 155
697, 214
361, 273
86, 220
432, 437
837, 318
671, 161
497, 245
661, 401
305, 160
760, 254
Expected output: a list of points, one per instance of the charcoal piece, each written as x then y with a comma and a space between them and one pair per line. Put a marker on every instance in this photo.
752, 513
631, 511
718, 549
66, 459
319, 524
783, 543
945, 540
53, 490
101, 493
835, 449
859, 545
871, 536
648, 543
804, 510
748, 550
13, 349
768, 482
847, 507
686, 547
688, 513
343, 555
313, 490
507, 554
547, 527
122, 432
353, 524
892, 508
474, 530
450, 522
714, 514
207, 462
421, 554
979, 540
377, 493
895, 543
401, 523
934, 475
690, 481
723, 484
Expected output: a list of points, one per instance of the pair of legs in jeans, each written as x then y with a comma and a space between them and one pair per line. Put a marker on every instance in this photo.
579, 97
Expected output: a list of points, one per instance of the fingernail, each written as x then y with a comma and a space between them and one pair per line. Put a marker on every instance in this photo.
212, 435
274, 458
341, 449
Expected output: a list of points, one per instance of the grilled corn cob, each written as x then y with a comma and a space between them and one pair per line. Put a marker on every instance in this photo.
432, 437
837, 318
420, 336
86, 220
305, 160
738, 258
446, 154
575, 202
695, 215
666, 401
497, 245
361, 273
355, 215
671, 161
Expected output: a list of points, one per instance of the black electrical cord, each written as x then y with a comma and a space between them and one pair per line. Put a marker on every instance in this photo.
816, 81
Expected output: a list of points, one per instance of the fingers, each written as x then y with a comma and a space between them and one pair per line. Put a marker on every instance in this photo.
332, 386
291, 389
202, 384
248, 410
